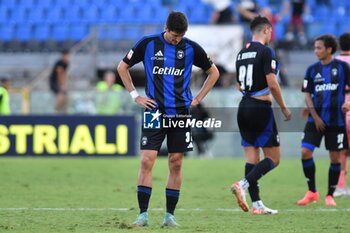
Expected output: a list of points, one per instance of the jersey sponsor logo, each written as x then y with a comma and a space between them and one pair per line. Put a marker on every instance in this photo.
180, 54
273, 64
129, 56
326, 87
158, 56
168, 71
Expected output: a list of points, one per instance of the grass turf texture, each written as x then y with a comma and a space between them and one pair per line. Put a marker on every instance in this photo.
104, 184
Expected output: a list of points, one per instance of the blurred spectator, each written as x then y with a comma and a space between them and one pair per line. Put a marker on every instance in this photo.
248, 10
201, 136
222, 11
226, 79
267, 12
59, 80
5, 85
107, 99
273, 18
297, 8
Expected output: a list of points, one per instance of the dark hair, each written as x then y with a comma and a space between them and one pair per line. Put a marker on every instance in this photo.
177, 22
344, 41
258, 23
329, 42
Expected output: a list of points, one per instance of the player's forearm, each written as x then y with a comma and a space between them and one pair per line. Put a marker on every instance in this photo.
275, 90
125, 76
212, 78
277, 95
310, 105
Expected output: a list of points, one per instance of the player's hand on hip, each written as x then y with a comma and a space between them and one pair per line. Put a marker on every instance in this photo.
145, 102
287, 114
320, 125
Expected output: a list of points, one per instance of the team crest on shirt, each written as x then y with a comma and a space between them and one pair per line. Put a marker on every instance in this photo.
334, 72
180, 54
129, 56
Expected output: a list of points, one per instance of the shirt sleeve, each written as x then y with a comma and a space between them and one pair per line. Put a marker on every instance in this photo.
270, 62
201, 58
308, 83
136, 54
346, 69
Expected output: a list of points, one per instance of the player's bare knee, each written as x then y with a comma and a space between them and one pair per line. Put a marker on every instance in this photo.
306, 154
335, 156
175, 164
146, 163
335, 160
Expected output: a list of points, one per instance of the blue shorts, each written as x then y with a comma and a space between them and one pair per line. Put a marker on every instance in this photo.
257, 123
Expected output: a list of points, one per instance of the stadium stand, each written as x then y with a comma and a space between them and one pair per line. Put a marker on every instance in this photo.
22, 21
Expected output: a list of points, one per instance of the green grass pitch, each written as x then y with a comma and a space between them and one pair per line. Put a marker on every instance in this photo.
99, 195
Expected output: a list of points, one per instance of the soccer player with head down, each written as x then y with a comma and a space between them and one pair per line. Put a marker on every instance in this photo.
256, 78
168, 58
324, 88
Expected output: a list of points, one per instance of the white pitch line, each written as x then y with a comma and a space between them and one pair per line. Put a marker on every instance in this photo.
161, 209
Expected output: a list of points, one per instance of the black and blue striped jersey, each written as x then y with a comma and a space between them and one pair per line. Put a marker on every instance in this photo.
253, 63
326, 84
168, 70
